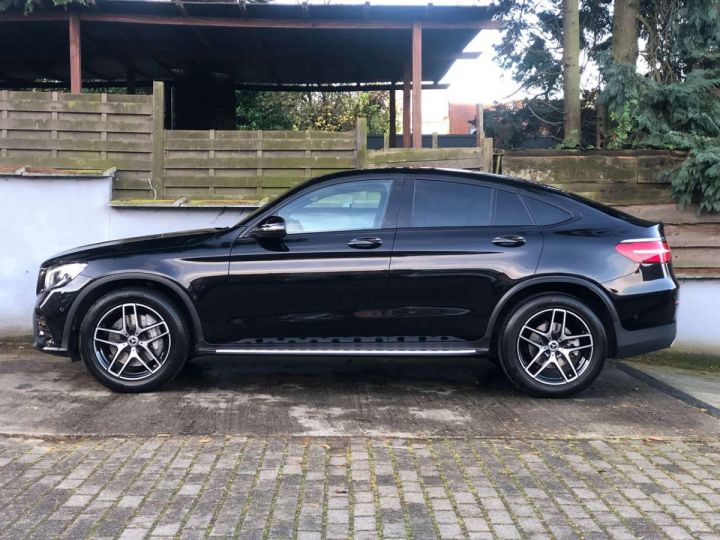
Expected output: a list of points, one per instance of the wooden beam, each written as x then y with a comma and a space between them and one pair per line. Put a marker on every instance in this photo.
407, 141
417, 85
393, 118
75, 54
299, 24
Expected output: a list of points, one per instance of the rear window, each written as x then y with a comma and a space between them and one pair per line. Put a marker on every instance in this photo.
510, 210
544, 213
450, 204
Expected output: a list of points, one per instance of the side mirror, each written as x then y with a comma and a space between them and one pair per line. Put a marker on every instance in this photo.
272, 228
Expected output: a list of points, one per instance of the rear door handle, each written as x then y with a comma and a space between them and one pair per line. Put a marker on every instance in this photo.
365, 243
509, 240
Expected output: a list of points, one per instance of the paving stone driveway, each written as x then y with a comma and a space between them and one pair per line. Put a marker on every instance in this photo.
339, 449
197, 487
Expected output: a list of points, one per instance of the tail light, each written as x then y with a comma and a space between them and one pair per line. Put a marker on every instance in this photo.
646, 251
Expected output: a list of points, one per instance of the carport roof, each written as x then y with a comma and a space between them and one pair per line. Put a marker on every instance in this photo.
262, 45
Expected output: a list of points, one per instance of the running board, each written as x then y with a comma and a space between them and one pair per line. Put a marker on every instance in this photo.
465, 350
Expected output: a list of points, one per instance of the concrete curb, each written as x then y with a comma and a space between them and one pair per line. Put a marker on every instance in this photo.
668, 389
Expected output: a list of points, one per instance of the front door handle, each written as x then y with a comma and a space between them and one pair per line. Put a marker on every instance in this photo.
365, 243
509, 240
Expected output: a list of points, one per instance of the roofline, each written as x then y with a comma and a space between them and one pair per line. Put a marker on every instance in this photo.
251, 22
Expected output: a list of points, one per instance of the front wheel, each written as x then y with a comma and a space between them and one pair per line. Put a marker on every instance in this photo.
552, 346
133, 340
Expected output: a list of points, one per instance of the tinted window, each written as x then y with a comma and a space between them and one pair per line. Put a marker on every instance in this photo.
546, 214
509, 209
341, 207
450, 204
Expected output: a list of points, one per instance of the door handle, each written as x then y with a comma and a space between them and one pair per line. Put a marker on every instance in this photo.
365, 243
509, 240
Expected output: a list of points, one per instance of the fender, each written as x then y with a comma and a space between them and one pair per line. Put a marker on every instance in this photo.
517, 289
124, 276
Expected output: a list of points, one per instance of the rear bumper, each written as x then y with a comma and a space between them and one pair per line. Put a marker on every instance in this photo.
634, 342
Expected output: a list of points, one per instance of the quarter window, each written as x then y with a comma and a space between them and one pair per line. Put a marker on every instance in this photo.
450, 204
348, 206
544, 213
509, 209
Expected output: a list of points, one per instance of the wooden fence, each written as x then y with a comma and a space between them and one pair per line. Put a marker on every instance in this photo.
101, 131
632, 181
85, 131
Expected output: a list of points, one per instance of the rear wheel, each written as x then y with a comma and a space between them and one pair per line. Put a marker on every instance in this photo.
133, 340
552, 346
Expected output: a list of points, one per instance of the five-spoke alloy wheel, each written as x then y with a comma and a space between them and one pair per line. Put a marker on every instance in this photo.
133, 340
552, 345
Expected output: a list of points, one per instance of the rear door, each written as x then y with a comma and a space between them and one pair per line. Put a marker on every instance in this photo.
460, 245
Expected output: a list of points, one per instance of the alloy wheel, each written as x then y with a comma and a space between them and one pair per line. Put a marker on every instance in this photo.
555, 346
132, 341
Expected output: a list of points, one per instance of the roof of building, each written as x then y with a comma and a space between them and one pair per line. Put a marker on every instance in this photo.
256, 44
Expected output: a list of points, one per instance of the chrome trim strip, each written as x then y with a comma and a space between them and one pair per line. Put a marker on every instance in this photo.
632, 240
355, 352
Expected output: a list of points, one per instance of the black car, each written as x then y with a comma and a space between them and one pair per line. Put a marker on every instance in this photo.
387, 262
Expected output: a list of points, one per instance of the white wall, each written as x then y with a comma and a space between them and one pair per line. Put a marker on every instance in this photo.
699, 316
40, 217
43, 216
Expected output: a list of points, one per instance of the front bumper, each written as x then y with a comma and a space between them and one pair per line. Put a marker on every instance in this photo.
51, 327
634, 342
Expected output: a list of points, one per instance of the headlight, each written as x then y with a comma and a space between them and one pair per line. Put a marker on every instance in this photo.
57, 276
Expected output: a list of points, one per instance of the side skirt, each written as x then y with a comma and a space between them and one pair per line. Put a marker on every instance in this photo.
463, 349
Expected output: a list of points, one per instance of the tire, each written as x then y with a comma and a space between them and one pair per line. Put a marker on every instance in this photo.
528, 344
130, 358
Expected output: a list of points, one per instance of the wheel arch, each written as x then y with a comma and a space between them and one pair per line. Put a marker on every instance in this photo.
582, 289
101, 286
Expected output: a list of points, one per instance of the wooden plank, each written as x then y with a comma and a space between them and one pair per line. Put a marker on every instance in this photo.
417, 71
257, 144
568, 169
79, 106
74, 163
670, 213
407, 105
655, 168
158, 138
75, 54
400, 155
696, 257
263, 162
94, 145
365, 24
699, 235
141, 126
474, 164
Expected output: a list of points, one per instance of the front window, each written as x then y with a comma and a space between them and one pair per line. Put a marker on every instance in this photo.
348, 206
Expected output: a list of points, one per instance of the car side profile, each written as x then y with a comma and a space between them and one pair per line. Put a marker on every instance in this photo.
385, 262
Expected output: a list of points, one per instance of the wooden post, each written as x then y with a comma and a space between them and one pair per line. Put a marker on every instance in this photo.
479, 125
361, 143
435, 139
75, 55
417, 85
407, 141
158, 139
393, 117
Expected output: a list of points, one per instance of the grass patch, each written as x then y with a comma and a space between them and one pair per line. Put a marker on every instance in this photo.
695, 361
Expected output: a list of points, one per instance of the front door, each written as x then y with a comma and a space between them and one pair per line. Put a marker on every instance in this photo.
460, 245
326, 280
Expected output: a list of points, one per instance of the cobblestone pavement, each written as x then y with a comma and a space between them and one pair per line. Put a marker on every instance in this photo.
315, 487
